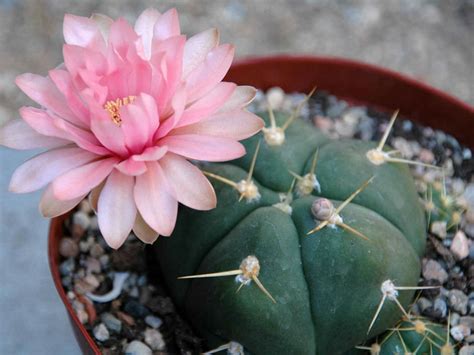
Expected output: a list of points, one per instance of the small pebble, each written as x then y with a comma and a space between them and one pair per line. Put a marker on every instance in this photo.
467, 350
136, 309
111, 322
458, 301
93, 265
124, 317
68, 248
438, 228
67, 267
81, 219
441, 307
467, 321
154, 338
275, 97
96, 250
153, 321
137, 348
101, 333
460, 245
459, 332
82, 316
432, 270
424, 304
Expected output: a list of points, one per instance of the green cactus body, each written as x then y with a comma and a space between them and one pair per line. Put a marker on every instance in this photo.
326, 285
431, 340
441, 207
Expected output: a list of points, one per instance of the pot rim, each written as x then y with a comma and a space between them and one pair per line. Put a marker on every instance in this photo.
87, 343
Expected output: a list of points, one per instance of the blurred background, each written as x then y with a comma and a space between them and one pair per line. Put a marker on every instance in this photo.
431, 40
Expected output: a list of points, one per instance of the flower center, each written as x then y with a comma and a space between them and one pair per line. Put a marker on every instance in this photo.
113, 108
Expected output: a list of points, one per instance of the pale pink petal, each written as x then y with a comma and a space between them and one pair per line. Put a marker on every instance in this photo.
207, 148
42, 122
94, 196
242, 96
151, 154
154, 200
17, 134
197, 48
121, 36
144, 28
103, 22
107, 132
209, 73
139, 122
45, 167
189, 183
80, 181
131, 167
63, 81
236, 124
51, 207
149, 105
143, 231
82, 138
87, 67
166, 60
178, 104
116, 209
43, 91
207, 105
82, 31
167, 25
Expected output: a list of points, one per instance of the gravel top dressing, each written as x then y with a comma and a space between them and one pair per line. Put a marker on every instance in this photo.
119, 298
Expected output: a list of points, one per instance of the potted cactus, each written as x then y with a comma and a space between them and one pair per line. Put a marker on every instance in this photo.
300, 244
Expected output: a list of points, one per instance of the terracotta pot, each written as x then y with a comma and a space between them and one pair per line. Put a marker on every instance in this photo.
356, 82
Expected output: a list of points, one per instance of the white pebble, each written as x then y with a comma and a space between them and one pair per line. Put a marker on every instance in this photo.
101, 333
154, 338
460, 245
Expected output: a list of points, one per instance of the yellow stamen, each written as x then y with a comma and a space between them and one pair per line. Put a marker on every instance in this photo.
113, 108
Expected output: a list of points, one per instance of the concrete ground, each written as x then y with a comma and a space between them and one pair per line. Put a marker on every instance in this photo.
432, 40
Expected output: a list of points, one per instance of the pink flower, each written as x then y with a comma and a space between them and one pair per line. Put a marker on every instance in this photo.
121, 117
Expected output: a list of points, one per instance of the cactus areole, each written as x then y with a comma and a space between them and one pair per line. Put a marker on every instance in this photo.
298, 293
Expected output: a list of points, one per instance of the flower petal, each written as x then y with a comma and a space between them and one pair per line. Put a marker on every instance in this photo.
45, 167
209, 73
167, 25
241, 97
51, 207
144, 28
207, 104
200, 147
154, 200
151, 154
143, 231
43, 91
190, 185
197, 48
178, 104
94, 196
238, 125
139, 122
17, 134
131, 167
63, 81
116, 209
107, 132
83, 179
42, 122
82, 31
103, 23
